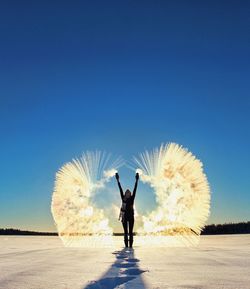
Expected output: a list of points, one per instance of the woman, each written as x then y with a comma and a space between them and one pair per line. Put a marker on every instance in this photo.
127, 211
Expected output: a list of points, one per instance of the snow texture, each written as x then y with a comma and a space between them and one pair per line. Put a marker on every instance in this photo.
35, 262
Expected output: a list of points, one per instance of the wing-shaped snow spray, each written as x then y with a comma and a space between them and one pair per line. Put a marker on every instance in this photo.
182, 193
75, 214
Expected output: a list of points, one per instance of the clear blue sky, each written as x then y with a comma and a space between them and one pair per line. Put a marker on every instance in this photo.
122, 76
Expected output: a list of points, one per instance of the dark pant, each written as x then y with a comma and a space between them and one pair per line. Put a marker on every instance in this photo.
128, 224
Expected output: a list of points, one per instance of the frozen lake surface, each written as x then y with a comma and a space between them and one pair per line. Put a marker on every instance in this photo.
37, 262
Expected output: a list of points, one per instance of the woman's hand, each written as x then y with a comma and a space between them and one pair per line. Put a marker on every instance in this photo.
137, 176
117, 176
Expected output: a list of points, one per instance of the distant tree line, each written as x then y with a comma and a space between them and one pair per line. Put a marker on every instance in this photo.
230, 228
22, 232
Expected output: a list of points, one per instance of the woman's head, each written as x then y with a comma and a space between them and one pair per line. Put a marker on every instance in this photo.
127, 194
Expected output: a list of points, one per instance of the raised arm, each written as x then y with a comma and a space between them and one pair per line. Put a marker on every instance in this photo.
119, 185
136, 183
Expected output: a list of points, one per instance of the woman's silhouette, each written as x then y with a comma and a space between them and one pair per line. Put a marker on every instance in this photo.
127, 210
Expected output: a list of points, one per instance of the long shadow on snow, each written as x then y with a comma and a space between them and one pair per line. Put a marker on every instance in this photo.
123, 270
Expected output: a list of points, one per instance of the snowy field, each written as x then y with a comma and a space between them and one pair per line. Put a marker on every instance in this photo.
42, 262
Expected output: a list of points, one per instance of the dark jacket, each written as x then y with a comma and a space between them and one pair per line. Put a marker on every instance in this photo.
129, 207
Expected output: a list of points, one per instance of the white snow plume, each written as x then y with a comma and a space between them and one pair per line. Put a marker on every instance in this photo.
182, 193
74, 212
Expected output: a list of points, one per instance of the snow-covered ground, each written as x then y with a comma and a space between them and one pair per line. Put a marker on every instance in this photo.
42, 262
